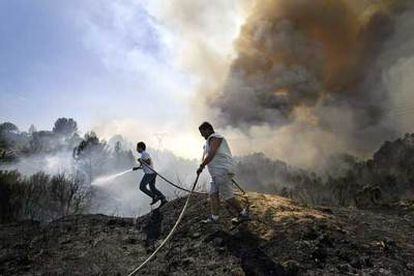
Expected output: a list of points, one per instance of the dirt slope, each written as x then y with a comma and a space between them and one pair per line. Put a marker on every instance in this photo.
283, 239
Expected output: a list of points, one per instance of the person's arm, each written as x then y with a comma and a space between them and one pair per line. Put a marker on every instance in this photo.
214, 146
145, 161
138, 167
204, 154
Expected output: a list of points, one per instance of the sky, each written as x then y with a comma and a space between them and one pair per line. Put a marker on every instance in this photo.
144, 69
113, 66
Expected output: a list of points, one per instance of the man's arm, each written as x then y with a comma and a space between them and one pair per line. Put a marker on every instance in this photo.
140, 165
145, 161
214, 145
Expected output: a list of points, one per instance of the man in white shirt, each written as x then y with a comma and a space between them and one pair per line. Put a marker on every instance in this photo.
149, 176
219, 161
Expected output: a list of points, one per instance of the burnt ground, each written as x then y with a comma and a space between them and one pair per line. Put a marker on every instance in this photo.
284, 238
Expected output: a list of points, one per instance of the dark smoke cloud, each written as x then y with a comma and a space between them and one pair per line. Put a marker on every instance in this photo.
313, 61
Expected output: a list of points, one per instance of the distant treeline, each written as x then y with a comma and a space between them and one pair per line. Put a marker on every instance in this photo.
93, 156
42, 196
385, 178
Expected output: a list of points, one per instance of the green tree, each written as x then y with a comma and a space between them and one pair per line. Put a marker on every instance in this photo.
91, 153
8, 127
9, 134
32, 129
65, 126
118, 147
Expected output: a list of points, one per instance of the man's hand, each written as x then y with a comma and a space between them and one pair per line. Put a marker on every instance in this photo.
200, 169
136, 168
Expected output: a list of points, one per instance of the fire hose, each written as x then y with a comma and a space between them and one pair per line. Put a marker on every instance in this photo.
180, 217
235, 183
169, 234
165, 179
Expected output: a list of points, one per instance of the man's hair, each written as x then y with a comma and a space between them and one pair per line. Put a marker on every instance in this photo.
141, 145
206, 126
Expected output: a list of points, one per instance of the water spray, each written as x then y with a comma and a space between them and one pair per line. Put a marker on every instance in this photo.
107, 178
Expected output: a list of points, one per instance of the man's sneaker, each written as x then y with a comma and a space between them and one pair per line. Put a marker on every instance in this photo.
210, 220
163, 202
155, 199
241, 218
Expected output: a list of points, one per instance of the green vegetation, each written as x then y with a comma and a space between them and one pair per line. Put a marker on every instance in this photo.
41, 197
46, 196
385, 179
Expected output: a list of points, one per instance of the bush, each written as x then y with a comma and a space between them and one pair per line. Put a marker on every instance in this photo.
9, 191
40, 196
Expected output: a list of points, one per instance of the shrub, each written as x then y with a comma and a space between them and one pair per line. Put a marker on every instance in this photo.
40, 196
9, 191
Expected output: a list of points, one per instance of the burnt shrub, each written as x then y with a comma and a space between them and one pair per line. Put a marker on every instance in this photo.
40, 196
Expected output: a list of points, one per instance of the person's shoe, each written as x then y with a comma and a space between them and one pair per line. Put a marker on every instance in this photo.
163, 202
155, 199
210, 220
241, 218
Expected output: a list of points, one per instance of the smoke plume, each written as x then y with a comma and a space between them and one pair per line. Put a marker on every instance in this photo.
315, 69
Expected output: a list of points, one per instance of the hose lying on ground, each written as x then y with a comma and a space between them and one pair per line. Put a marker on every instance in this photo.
169, 234
180, 217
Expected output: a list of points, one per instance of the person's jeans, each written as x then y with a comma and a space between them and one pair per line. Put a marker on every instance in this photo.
149, 179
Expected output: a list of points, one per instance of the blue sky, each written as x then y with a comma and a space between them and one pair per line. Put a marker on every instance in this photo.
90, 60
138, 68
128, 67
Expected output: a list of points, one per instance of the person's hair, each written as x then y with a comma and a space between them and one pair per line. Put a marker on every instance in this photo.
206, 126
141, 145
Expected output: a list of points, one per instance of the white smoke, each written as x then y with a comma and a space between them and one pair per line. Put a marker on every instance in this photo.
53, 163
301, 80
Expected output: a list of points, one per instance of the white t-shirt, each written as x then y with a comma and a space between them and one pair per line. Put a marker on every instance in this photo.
146, 157
223, 160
